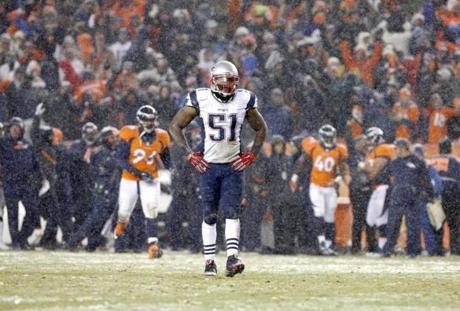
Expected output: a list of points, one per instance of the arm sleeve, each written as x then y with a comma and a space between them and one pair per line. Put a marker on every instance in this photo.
35, 131
122, 156
192, 101
346, 54
252, 103
165, 153
166, 158
376, 54
426, 181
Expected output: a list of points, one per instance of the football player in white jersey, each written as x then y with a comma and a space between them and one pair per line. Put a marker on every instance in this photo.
223, 108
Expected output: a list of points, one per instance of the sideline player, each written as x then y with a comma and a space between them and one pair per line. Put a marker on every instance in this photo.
328, 160
378, 157
141, 149
223, 109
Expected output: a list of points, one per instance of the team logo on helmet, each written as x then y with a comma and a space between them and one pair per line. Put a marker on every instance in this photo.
147, 117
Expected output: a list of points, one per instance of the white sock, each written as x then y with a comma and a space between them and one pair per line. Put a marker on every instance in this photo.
209, 234
232, 236
382, 242
321, 239
328, 243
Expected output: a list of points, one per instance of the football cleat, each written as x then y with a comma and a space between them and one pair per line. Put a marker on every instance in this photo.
154, 251
326, 251
234, 266
119, 230
210, 268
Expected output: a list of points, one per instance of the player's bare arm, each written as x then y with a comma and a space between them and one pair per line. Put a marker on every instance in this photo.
299, 166
179, 122
345, 172
257, 123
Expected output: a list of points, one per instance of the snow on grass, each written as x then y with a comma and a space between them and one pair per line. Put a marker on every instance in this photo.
44, 280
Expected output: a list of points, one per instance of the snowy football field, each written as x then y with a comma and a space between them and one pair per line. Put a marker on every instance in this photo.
43, 280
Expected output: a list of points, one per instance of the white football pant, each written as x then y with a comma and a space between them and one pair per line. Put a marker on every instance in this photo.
130, 191
375, 214
324, 202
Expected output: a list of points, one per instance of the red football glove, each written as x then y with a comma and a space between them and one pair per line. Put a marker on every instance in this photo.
245, 160
196, 160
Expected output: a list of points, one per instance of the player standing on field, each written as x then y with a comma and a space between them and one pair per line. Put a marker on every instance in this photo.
141, 149
223, 109
378, 157
328, 160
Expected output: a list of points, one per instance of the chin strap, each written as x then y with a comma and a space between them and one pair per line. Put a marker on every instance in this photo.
221, 97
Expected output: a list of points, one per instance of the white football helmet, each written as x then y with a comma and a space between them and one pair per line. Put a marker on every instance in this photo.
328, 136
224, 78
374, 135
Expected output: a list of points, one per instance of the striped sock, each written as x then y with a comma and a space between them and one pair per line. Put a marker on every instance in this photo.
209, 234
232, 235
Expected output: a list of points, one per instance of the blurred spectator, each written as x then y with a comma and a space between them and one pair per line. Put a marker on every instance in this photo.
21, 182
406, 115
449, 170
439, 116
278, 114
121, 46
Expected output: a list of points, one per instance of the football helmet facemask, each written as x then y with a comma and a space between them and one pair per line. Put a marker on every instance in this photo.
224, 80
327, 136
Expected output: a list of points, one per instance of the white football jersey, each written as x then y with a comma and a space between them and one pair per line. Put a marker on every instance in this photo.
222, 122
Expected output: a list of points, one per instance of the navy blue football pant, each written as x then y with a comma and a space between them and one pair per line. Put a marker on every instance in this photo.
20, 192
451, 206
55, 215
221, 185
104, 206
403, 203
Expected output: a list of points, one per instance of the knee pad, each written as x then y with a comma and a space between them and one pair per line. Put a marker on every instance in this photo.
210, 219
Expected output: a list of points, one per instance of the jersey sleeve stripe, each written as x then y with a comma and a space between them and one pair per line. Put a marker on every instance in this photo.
251, 102
194, 100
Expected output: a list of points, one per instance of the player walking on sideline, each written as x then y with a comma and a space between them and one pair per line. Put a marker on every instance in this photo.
328, 160
378, 157
223, 109
140, 150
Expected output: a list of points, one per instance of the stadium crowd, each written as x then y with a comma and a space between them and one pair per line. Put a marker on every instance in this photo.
73, 72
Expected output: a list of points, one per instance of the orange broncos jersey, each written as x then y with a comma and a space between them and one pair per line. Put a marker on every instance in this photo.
325, 162
437, 129
411, 113
142, 156
382, 151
